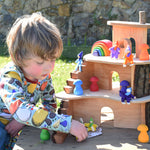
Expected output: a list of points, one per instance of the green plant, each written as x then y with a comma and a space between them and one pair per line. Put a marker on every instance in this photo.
115, 77
68, 41
70, 52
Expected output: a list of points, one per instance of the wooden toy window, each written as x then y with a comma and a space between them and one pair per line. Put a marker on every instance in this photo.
107, 117
133, 45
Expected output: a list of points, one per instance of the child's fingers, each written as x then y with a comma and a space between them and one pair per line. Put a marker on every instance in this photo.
80, 139
82, 136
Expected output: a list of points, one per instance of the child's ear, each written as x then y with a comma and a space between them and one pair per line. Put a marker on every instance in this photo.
16, 58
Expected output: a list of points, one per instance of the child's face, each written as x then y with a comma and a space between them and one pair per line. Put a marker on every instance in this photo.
37, 68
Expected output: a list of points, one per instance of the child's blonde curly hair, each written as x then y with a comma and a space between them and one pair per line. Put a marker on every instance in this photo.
33, 35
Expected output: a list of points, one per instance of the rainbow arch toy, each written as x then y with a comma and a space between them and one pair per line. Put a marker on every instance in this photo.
101, 48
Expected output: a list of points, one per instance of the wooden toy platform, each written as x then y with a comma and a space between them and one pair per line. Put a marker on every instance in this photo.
91, 103
127, 23
108, 94
109, 60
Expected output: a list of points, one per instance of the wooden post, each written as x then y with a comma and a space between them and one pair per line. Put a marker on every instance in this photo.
142, 17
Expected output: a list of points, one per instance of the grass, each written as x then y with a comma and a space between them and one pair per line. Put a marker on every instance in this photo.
4, 60
61, 73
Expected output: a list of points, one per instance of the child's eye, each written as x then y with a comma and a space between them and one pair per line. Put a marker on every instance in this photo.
40, 63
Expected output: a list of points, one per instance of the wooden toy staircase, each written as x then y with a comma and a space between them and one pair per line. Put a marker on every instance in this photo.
70, 86
74, 76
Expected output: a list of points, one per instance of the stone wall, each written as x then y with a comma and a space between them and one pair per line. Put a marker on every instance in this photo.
81, 22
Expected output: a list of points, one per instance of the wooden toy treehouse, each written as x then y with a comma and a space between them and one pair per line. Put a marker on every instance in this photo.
99, 64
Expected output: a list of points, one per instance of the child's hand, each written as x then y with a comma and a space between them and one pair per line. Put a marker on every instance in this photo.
78, 129
14, 127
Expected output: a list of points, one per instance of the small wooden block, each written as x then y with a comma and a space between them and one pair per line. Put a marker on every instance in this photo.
62, 111
70, 82
83, 68
64, 104
74, 75
59, 137
68, 89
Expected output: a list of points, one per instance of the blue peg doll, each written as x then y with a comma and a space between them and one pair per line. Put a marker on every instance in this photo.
79, 61
78, 89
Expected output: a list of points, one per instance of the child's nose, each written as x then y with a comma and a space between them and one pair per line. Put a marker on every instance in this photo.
48, 66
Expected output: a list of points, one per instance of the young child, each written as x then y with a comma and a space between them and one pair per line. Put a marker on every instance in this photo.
34, 43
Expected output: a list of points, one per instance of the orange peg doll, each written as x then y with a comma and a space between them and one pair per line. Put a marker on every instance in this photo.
128, 57
144, 55
143, 136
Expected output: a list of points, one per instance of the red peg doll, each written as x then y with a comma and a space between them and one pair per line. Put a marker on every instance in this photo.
94, 85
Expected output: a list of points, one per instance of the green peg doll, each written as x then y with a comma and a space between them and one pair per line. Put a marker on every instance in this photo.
45, 135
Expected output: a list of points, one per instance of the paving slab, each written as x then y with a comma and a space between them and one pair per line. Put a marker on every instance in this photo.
111, 139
